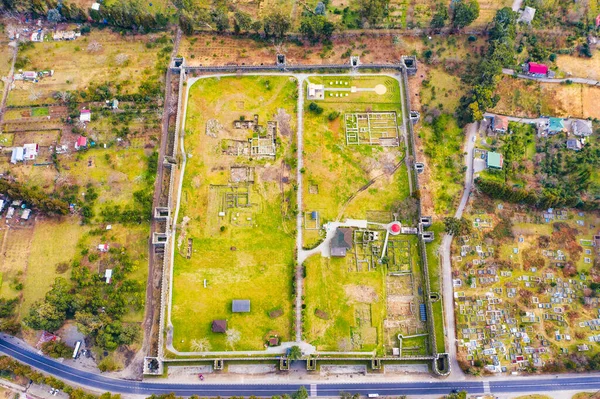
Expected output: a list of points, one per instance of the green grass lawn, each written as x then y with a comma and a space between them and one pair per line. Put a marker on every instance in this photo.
332, 289
44, 256
40, 111
245, 259
435, 272
443, 142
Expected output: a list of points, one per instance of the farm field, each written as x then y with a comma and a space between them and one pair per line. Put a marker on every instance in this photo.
530, 99
102, 56
237, 236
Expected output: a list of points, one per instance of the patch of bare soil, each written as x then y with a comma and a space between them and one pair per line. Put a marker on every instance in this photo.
269, 173
283, 122
361, 293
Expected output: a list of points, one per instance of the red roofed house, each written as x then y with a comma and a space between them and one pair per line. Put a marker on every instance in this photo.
536, 69
81, 143
598, 21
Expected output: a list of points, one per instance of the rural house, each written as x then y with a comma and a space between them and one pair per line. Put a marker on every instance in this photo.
85, 115
30, 75
240, 306
64, 35
537, 70
103, 247
527, 15
581, 127
341, 242
574, 144
30, 151
108, 275
17, 155
81, 143
219, 326
494, 160
500, 124
316, 92
555, 125
37, 36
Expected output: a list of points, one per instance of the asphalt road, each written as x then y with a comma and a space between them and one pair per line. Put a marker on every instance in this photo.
98, 382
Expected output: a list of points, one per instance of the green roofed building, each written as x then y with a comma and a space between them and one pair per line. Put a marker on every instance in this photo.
494, 160
555, 125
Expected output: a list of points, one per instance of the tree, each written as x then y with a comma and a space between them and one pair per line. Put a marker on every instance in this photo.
242, 21
94, 47
220, 18
44, 316
320, 8
455, 226
295, 353
232, 337
464, 12
373, 11
316, 28
302, 393
201, 345
440, 17
54, 15
276, 24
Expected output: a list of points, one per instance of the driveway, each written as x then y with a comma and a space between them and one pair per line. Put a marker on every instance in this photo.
552, 80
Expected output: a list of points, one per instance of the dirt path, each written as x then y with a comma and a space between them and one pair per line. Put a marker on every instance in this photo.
8, 82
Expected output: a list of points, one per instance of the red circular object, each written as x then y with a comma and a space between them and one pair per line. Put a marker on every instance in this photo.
396, 228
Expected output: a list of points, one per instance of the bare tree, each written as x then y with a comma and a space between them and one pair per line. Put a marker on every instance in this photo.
233, 337
94, 47
121, 58
34, 94
201, 345
63, 96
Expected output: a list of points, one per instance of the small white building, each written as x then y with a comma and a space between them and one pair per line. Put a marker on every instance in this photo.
316, 92
10, 213
64, 35
30, 151
96, 6
527, 15
108, 275
17, 155
103, 247
37, 36
26, 214
85, 115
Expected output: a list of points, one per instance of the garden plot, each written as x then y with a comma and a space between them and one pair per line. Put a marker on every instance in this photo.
237, 236
372, 128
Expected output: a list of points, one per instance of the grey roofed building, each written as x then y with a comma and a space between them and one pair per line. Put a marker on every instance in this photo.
574, 144
581, 128
341, 242
219, 326
240, 306
527, 15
